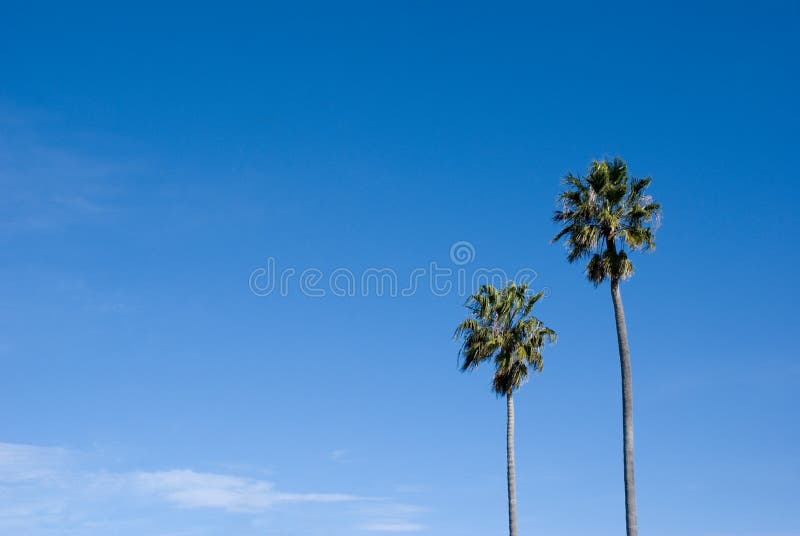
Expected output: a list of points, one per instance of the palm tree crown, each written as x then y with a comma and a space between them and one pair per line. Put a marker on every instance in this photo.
603, 213
502, 329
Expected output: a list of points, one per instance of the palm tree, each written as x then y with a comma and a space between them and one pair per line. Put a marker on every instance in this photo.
501, 328
601, 215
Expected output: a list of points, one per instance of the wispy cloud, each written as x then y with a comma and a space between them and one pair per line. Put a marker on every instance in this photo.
394, 527
190, 489
339, 455
393, 517
42, 488
26, 463
49, 186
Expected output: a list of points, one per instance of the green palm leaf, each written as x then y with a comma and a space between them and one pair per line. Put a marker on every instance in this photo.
500, 329
604, 213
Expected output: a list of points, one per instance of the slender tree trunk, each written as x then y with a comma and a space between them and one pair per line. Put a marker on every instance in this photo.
512, 479
627, 409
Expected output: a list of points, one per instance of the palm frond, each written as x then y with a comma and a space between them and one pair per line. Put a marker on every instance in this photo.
501, 328
601, 213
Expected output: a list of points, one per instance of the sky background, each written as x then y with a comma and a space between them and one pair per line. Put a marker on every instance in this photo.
152, 157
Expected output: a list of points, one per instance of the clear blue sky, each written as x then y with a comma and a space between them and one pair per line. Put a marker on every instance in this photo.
153, 156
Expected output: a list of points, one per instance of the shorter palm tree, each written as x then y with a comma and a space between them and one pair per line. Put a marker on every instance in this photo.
501, 329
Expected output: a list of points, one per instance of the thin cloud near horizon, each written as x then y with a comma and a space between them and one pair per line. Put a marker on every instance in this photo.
36, 479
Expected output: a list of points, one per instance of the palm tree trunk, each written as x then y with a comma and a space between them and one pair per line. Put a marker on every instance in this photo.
627, 409
512, 479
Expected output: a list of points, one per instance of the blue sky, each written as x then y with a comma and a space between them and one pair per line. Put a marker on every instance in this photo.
153, 157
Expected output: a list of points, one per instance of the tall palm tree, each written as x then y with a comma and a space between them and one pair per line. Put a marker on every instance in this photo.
501, 329
601, 215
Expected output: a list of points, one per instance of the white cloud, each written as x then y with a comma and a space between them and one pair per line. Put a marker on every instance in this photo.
21, 463
339, 455
48, 491
410, 488
395, 527
392, 517
190, 489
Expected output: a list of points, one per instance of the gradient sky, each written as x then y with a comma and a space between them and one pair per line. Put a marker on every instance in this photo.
152, 157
